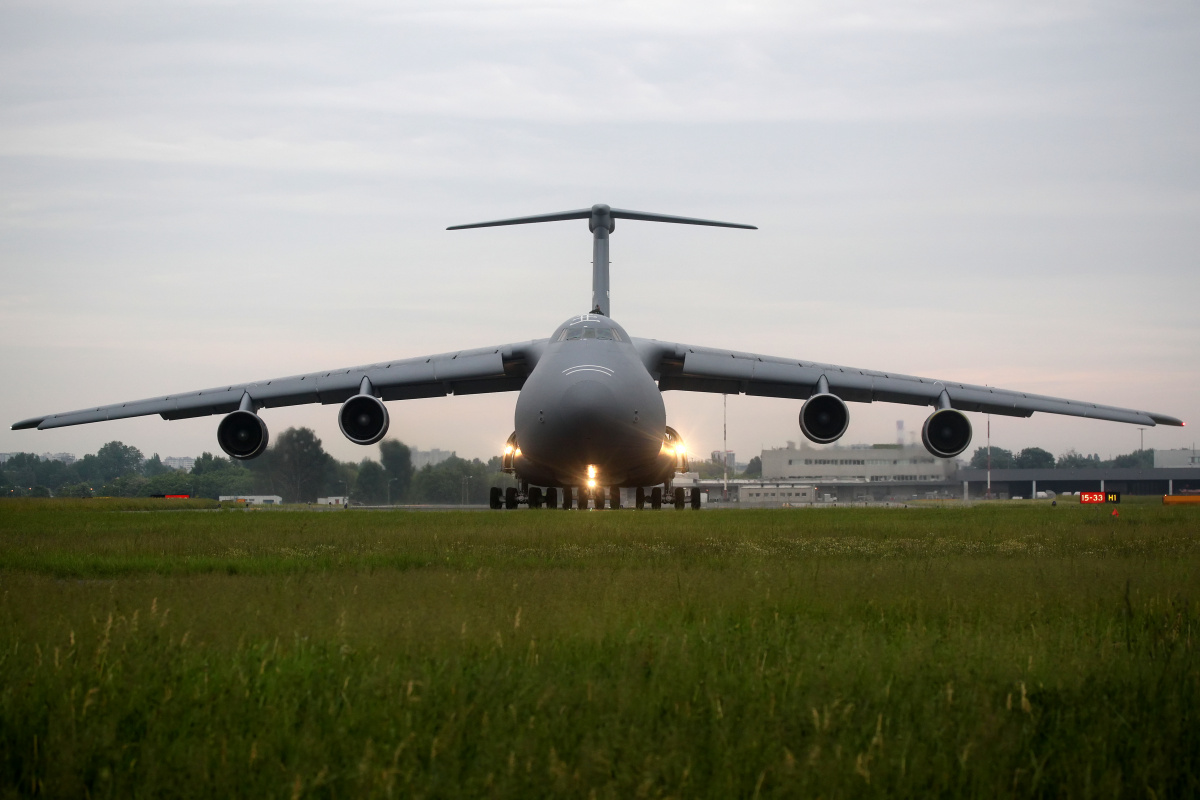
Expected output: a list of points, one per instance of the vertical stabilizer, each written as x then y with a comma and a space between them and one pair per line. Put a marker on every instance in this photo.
601, 221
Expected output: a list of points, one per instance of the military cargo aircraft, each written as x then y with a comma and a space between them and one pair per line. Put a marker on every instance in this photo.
590, 417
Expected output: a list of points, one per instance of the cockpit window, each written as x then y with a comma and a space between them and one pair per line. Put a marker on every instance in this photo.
607, 334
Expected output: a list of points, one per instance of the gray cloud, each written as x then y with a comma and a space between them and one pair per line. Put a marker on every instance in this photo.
194, 193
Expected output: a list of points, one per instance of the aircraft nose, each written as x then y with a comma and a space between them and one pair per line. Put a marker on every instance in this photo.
586, 424
587, 410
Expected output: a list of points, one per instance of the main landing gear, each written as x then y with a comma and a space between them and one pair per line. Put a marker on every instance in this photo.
581, 497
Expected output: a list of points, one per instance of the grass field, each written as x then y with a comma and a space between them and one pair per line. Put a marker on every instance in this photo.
1001, 650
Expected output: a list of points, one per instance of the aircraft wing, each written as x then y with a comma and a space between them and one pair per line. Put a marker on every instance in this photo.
705, 369
490, 369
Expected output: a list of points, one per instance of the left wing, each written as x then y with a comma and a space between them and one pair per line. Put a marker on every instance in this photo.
705, 369
489, 369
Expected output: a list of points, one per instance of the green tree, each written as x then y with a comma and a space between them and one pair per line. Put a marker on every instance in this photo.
110, 462
296, 466
1034, 458
21, 470
1001, 458
1143, 459
396, 459
342, 480
154, 466
371, 487
451, 480
754, 468
1073, 460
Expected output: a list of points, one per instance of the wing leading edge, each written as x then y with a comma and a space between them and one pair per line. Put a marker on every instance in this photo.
704, 369
490, 369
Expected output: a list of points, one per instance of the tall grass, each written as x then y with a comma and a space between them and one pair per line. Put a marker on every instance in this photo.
981, 652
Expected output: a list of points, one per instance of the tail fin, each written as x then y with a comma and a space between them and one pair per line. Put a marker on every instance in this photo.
601, 222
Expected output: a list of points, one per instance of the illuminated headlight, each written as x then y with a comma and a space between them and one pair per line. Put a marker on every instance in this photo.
591, 484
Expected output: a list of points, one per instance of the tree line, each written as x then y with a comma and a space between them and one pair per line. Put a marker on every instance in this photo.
1037, 458
296, 467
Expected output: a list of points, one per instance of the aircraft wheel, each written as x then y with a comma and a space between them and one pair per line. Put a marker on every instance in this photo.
510, 497
656, 498
567, 498
581, 499
494, 498
552, 498
695, 498
535, 497
614, 496
639, 498
679, 498
599, 498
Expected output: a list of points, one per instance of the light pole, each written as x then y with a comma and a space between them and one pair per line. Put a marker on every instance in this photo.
1141, 439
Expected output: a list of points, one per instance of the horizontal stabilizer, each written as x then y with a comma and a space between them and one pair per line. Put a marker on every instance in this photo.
599, 212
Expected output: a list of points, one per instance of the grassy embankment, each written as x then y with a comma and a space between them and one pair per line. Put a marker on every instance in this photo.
854, 652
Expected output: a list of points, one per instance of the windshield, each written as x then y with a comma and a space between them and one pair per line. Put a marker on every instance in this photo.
607, 334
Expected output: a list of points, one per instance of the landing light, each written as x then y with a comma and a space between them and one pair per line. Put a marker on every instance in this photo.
591, 470
508, 448
591, 484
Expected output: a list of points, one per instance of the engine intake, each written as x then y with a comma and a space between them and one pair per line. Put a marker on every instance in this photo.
364, 419
824, 418
946, 433
243, 435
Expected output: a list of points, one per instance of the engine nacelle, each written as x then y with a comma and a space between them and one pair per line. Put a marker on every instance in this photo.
364, 419
824, 418
946, 433
243, 435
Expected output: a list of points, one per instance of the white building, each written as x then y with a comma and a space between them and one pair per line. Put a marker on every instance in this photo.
183, 463
774, 494
1187, 457
333, 501
858, 463
252, 499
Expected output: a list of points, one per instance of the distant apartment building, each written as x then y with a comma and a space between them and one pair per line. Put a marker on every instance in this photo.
728, 457
182, 463
430, 458
858, 463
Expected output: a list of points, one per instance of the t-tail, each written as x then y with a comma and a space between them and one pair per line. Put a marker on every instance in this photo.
601, 222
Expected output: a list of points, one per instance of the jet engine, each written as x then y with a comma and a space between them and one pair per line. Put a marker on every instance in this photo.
824, 418
946, 433
243, 434
364, 419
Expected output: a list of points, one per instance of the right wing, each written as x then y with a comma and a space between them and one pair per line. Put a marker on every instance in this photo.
707, 369
490, 369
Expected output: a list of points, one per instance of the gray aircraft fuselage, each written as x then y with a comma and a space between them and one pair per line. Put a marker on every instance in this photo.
591, 402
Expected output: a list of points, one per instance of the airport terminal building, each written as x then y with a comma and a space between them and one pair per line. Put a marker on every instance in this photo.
862, 472
794, 476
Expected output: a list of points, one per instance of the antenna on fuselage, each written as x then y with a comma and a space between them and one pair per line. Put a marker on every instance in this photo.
601, 222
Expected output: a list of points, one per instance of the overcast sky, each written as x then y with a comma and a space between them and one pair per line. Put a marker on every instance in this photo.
199, 193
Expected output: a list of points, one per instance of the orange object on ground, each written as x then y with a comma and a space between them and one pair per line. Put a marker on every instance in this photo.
1181, 499
1116, 513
